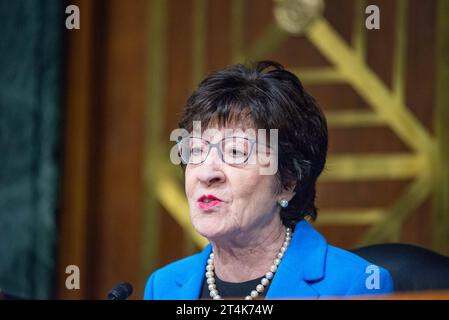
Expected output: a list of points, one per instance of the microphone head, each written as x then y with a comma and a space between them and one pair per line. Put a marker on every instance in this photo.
121, 291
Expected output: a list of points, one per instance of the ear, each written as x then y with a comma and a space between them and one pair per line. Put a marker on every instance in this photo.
288, 191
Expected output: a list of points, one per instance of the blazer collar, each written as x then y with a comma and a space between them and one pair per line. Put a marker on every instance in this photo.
303, 261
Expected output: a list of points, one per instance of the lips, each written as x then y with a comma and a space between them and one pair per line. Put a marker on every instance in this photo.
208, 201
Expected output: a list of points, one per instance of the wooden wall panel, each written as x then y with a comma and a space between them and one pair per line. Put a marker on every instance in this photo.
73, 220
103, 192
119, 166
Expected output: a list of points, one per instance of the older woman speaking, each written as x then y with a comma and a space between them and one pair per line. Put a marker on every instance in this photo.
256, 217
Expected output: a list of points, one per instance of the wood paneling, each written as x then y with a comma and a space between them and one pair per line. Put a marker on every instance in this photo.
105, 127
73, 219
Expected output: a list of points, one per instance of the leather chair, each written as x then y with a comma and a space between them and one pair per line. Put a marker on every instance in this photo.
413, 268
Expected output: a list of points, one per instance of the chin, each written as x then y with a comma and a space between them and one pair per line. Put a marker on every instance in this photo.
209, 227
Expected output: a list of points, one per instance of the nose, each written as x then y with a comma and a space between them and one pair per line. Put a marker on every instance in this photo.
211, 170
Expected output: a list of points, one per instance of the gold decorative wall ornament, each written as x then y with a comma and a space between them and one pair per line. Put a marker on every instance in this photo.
295, 16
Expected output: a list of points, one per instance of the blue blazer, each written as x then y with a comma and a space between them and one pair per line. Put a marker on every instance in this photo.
309, 269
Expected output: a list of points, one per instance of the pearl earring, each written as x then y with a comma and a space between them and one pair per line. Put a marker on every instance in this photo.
283, 203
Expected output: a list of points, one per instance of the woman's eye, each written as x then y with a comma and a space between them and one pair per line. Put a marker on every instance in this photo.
237, 153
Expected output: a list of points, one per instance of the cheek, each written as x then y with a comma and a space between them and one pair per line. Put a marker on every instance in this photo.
253, 189
189, 182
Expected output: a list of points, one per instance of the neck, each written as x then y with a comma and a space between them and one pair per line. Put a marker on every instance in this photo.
249, 255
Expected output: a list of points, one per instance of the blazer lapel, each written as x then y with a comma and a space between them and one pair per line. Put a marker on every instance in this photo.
190, 281
288, 284
304, 261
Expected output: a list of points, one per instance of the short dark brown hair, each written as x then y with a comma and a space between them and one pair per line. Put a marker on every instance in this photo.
271, 98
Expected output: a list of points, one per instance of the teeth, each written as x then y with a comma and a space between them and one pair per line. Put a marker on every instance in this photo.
207, 200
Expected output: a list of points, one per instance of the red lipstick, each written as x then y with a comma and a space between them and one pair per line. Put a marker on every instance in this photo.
208, 201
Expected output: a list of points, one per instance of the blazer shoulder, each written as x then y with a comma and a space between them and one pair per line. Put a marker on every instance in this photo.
346, 257
355, 274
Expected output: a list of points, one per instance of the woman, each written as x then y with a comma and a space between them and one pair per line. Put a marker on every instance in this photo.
261, 244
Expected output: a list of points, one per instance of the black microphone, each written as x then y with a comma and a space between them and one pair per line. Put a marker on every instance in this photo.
121, 291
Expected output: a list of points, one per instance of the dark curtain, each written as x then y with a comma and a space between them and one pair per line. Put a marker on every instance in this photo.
30, 112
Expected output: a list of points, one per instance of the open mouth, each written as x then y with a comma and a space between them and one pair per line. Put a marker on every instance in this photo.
208, 201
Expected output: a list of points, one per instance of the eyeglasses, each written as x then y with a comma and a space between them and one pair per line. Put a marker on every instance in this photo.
232, 150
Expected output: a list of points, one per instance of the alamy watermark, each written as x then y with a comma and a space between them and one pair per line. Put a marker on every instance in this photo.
73, 19
72, 282
373, 20
372, 282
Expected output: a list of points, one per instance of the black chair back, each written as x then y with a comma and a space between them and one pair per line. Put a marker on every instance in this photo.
413, 268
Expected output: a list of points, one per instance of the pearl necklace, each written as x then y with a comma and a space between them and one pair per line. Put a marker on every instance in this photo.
210, 274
